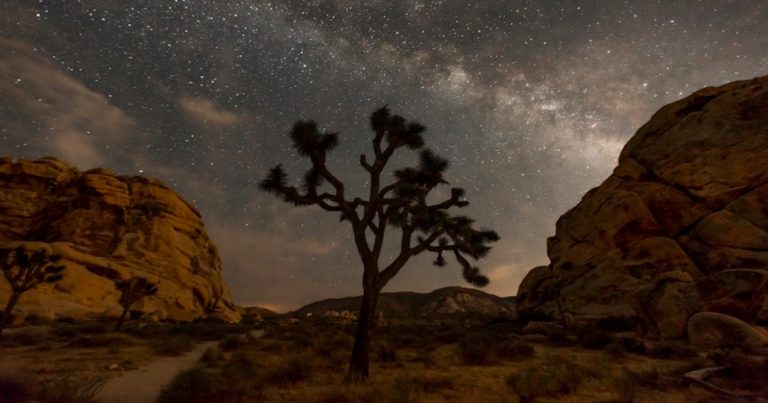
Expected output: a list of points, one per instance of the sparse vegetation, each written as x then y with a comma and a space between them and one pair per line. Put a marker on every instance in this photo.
132, 291
426, 366
172, 345
485, 349
24, 269
556, 376
199, 385
69, 389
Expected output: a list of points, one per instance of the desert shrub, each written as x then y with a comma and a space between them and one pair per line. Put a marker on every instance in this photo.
427, 357
672, 351
404, 389
513, 349
387, 353
616, 351
66, 319
65, 332
35, 319
594, 339
556, 376
485, 349
207, 330
625, 387
615, 324
332, 344
211, 357
172, 345
650, 377
23, 338
68, 389
632, 344
294, 370
103, 340
232, 343
199, 385
128, 364
92, 328
433, 384
474, 352
14, 389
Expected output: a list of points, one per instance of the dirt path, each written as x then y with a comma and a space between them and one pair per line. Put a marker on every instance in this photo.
144, 385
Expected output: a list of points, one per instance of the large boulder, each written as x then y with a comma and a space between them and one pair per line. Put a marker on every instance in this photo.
108, 227
716, 330
665, 305
690, 195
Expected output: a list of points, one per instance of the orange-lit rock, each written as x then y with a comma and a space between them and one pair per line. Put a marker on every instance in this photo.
690, 194
109, 227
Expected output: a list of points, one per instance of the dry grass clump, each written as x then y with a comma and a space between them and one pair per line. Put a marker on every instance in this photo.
555, 376
199, 385
296, 369
409, 388
24, 337
172, 345
485, 349
672, 350
70, 389
216, 379
103, 340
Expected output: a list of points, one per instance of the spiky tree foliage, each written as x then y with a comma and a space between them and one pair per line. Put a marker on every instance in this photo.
132, 290
25, 269
400, 204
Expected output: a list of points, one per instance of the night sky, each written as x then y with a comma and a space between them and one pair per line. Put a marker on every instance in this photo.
531, 101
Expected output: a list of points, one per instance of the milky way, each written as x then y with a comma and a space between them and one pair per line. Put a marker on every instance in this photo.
531, 101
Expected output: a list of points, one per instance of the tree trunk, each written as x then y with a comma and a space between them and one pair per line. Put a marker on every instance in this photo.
5, 319
122, 319
359, 362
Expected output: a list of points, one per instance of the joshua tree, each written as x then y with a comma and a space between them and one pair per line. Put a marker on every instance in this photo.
25, 269
401, 204
132, 290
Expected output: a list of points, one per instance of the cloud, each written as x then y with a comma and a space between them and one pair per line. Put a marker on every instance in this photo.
206, 111
56, 113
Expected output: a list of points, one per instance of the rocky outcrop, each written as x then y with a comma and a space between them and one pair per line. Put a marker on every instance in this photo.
109, 227
441, 303
715, 330
690, 196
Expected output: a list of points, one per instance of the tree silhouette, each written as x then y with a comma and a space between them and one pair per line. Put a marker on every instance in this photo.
401, 204
132, 290
25, 269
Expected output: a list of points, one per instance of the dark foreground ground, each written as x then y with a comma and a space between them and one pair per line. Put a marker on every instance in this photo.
412, 361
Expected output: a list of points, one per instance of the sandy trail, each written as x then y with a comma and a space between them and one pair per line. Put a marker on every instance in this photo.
144, 385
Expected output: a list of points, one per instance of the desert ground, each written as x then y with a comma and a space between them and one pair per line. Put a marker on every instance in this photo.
412, 361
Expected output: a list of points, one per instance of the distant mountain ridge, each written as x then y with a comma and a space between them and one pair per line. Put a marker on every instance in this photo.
443, 301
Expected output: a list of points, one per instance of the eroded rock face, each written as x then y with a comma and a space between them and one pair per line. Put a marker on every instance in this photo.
690, 195
109, 227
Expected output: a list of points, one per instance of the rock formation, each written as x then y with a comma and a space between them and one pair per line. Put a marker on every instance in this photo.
448, 301
690, 197
109, 227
